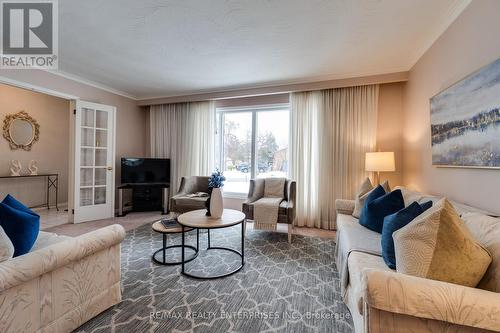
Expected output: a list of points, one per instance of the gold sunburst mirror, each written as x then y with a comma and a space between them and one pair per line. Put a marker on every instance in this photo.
20, 130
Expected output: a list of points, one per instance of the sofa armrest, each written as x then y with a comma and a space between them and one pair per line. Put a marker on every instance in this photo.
343, 206
431, 299
24, 268
186, 187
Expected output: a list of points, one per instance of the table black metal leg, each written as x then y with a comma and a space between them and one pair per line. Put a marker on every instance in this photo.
208, 238
182, 248
164, 247
48, 192
57, 192
242, 243
210, 247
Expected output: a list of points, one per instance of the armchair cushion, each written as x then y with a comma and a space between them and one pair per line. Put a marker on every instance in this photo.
431, 299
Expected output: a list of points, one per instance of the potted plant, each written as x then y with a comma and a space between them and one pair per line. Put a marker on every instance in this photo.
214, 202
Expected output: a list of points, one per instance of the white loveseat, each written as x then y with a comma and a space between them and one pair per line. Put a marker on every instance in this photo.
62, 282
382, 300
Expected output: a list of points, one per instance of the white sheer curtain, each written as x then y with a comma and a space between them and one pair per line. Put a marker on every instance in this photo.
330, 132
185, 133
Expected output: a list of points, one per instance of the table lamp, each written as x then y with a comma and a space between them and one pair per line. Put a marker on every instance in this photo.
380, 162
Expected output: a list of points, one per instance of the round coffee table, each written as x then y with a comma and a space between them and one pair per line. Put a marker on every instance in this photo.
196, 219
160, 228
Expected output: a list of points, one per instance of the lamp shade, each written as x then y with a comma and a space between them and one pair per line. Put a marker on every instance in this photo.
380, 161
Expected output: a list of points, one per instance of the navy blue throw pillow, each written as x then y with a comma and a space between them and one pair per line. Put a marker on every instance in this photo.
373, 213
395, 222
21, 227
9, 200
426, 205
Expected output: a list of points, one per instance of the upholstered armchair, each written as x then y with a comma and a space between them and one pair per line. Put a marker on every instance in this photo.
286, 213
181, 202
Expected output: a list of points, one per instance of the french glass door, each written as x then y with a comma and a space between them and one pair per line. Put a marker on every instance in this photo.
94, 174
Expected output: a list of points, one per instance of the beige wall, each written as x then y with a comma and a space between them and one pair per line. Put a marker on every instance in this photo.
471, 42
131, 135
390, 132
51, 151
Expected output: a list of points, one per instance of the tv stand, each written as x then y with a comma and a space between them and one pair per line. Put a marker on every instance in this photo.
146, 197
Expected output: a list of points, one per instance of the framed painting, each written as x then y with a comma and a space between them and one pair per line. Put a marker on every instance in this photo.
465, 121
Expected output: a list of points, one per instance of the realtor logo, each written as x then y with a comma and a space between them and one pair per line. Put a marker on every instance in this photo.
29, 34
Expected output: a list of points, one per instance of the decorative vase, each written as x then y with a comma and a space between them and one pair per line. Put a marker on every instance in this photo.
216, 205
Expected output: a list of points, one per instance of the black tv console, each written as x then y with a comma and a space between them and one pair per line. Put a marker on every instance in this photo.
145, 197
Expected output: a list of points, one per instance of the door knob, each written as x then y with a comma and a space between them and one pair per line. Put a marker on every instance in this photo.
110, 168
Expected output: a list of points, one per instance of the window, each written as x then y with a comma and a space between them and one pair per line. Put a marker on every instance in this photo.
253, 142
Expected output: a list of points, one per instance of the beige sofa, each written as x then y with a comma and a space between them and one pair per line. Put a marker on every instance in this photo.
382, 300
62, 282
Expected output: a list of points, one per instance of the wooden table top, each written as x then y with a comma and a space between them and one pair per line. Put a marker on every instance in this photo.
159, 227
197, 219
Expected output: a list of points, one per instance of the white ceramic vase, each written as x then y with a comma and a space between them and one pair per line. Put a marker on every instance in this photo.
216, 204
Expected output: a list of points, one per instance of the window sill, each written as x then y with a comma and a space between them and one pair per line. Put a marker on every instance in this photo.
233, 195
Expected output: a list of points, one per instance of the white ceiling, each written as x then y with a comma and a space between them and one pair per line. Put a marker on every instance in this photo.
160, 48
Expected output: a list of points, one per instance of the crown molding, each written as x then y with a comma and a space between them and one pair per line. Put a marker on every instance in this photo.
400, 76
91, 83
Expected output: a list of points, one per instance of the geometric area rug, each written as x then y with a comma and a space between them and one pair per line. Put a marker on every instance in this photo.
282, 287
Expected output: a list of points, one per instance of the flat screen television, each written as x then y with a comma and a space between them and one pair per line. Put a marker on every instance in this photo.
145, 170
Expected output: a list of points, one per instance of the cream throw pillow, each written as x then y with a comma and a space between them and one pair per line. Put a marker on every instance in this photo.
363, 192
6, 246
437, 245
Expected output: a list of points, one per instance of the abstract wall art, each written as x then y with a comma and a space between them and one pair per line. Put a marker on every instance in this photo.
465, 121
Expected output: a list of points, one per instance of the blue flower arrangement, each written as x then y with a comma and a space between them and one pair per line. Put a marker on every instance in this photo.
216, 180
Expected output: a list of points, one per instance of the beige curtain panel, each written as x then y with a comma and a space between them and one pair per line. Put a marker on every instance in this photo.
331, 130
185, 133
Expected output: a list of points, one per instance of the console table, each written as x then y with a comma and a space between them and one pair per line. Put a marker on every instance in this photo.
52, 182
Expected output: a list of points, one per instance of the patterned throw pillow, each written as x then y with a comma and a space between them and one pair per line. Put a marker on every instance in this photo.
395, 222
437, 245
364, 191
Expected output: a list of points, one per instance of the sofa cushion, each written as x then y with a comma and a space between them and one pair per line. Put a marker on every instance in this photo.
191, 201
351, 237
364, 191
486, 230
395, 222
6, 246
282, 209
358, 263
21, 227
45, 239
437, 245
374, 211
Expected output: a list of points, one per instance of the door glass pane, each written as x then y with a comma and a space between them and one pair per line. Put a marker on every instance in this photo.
87, 157
100, 195
86, 197
87, 137
101, 120
237, 151
272, 143
101, 138
100, 157
87, 117
86, 176
100, 176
